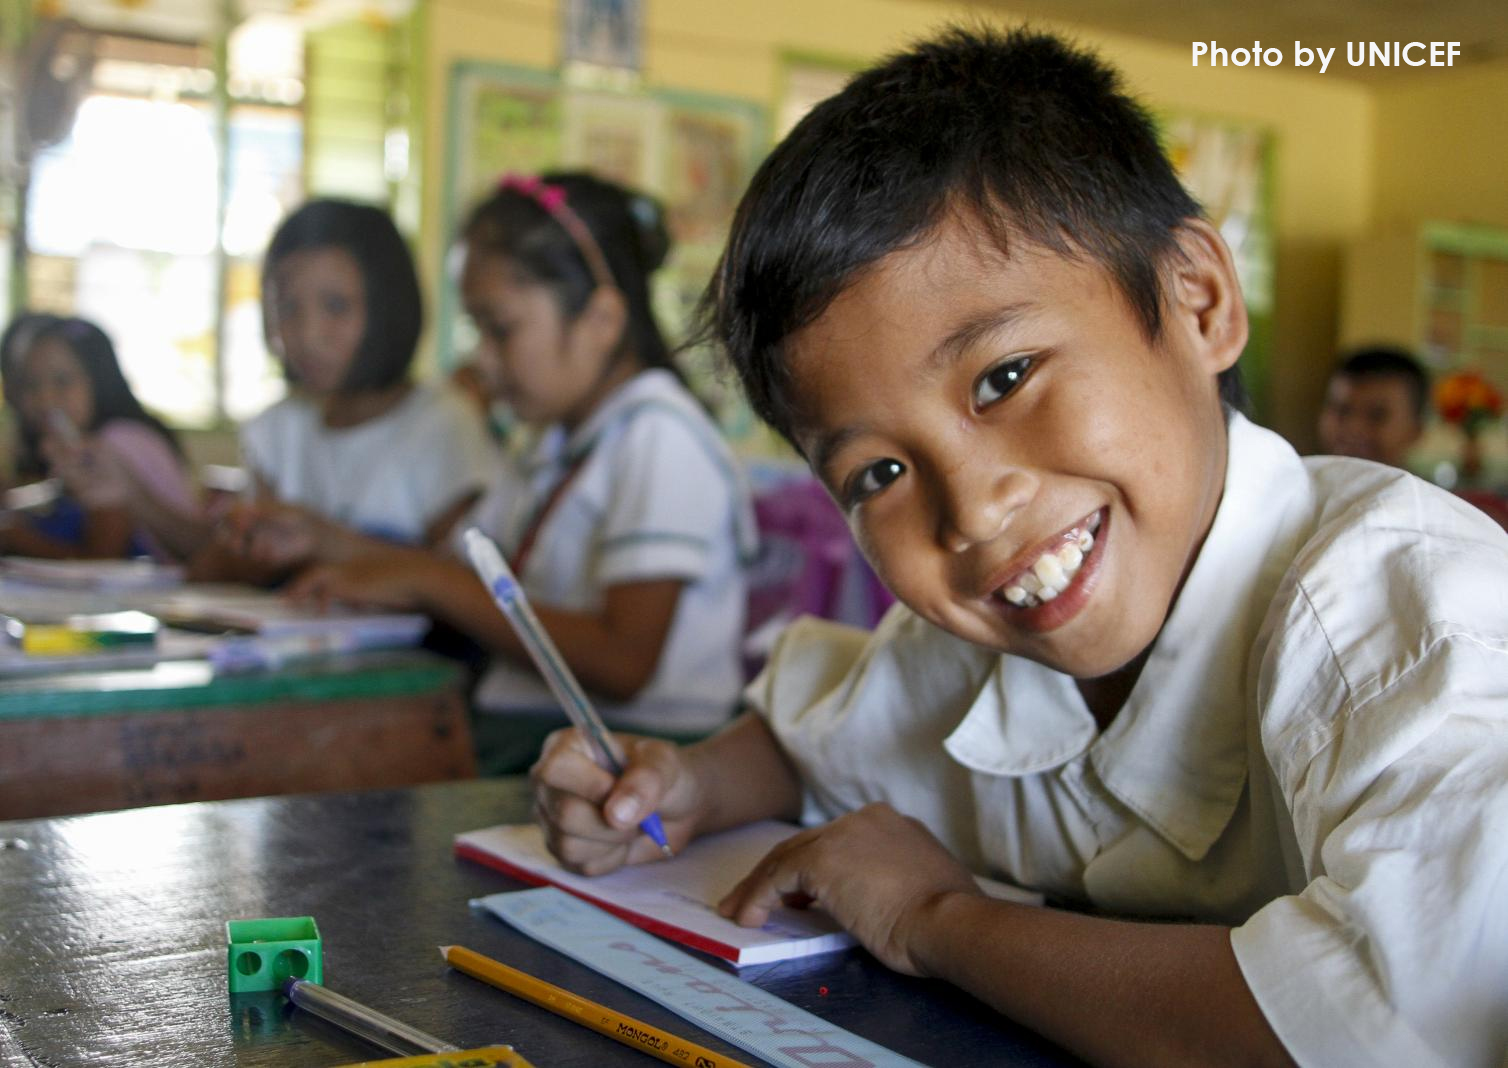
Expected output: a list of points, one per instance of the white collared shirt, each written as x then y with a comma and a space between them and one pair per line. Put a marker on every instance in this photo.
389, 477
653, 493
1316, 752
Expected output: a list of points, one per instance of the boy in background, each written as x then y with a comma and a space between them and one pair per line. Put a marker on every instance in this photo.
1374, 406
1148, 659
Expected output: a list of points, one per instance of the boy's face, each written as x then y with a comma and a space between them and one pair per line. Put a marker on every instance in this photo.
1371, 417
976, 415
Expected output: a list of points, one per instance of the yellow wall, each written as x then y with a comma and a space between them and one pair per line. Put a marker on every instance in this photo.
1442, 148
1323, 125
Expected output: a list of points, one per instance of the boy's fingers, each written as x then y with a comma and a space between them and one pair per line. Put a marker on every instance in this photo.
570, 815
642, 786
565, 764
778, 879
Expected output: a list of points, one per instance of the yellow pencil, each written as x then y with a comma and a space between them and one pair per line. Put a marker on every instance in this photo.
599, 1018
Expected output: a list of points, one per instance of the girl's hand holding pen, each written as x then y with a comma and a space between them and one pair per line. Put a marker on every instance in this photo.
88, 468
591, 818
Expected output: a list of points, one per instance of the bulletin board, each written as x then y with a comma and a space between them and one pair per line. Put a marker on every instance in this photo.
1228, 167
694, 152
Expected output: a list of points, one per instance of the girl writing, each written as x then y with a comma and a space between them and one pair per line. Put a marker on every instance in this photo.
626, 521
79, 422
357, 445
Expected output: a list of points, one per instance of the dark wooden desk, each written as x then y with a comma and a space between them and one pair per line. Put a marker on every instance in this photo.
84, 741
112, 942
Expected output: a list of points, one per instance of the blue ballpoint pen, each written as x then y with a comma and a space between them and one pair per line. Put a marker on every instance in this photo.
499, 579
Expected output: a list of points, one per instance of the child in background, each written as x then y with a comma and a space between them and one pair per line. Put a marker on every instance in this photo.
627, 521
79, 421
1374, 406
1148, 660
357, 446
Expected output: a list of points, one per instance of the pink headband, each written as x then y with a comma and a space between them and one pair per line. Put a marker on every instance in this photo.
553, 199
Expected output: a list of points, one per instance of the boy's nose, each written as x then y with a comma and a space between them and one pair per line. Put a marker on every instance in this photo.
979, 501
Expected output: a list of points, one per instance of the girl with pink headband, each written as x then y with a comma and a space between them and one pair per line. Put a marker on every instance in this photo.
626, 519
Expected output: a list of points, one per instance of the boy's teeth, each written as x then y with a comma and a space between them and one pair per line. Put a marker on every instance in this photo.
1053, 571
1049, 571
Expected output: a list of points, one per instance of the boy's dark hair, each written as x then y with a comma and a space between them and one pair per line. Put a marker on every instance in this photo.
394, 306
1388, 361
112, 394
1032, 136
629, 229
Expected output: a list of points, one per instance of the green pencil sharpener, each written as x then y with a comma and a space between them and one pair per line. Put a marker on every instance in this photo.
261, 954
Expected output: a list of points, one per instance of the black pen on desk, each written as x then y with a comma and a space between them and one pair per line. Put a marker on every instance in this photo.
505, 589
392, 1035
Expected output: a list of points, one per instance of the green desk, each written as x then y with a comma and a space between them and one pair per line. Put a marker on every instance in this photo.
86, 741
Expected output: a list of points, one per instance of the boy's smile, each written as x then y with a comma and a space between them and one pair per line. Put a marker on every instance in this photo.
1020, 464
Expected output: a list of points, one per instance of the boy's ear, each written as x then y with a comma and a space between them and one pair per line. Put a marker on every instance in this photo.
1207, 295
605, 317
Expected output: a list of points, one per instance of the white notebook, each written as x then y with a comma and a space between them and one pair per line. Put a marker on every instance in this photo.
250, 611
677, 898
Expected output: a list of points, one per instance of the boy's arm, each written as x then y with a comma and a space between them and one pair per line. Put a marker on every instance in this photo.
1114, 992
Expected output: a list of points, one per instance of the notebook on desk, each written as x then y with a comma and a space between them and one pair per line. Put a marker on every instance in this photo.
674, 898
241, 610
677, 898
105, 576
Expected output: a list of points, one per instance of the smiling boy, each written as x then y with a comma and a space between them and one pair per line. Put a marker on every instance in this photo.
1149, 660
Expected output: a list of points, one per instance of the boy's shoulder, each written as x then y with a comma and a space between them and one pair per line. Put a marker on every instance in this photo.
1390, 573
1377, 522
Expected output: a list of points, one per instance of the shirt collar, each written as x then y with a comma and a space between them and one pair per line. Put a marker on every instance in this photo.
557, 448
1176, 754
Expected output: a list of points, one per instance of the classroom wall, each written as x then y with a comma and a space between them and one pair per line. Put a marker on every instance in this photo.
1323, 126
1442, 148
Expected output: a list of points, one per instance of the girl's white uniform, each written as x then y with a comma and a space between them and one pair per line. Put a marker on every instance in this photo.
644, 489
388, 477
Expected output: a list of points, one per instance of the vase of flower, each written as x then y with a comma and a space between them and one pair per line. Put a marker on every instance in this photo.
1469, 401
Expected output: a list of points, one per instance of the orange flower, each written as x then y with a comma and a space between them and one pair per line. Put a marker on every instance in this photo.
1468, 400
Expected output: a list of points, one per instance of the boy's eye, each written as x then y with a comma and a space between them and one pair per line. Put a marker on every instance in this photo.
1000, 380
870, 480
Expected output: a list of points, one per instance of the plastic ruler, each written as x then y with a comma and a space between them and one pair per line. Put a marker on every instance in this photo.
737, 1012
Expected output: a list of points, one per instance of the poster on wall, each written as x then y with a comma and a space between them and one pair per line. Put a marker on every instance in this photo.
1227, 166
511, 125
693, 153
614, 135
604, 33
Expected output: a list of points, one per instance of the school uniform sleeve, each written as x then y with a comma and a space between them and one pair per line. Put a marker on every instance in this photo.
152, 462
670, 502
1396, 951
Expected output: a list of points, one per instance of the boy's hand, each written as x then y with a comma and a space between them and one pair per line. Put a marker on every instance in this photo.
591, 819
879, 874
